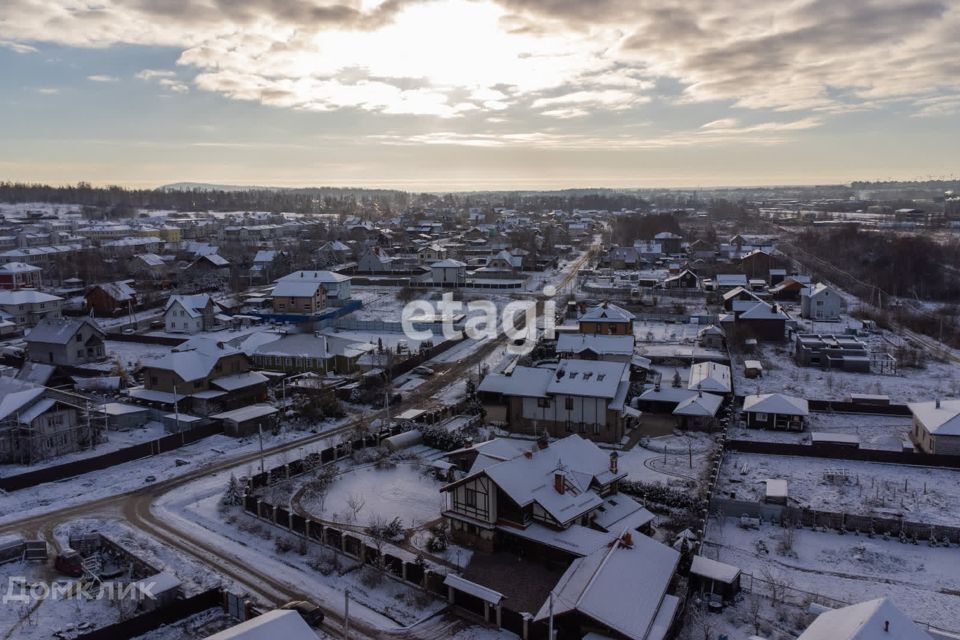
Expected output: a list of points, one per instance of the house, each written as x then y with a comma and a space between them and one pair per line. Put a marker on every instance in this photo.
669, 242
190, 314
712, 337
149, 267
278, 624
607, 319
431, 253
248, 420
579, 396
623, 258
449, 272
820, 303
739, 294
202, 376
789, 289
303, 352
843, 352
712, 577
332, 253
68, 342
336, 286
936, 426
710, 376
698, 411
583, 346
756, 264
763, 322
25, 308
376, 260
36, 426
267, 262
19, 275
502, 265
775, 411
547, 494
111, 298
685, 279
618, 591
701, 249
876, 619
727, 281
210, 269
302, 296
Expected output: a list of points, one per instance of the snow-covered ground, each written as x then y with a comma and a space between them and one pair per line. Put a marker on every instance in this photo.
874, 431
407, 491
114, 440
129, 476
921, 494
669, 460
921, 580
782, 374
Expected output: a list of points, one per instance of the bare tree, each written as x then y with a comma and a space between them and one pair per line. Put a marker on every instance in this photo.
356, 502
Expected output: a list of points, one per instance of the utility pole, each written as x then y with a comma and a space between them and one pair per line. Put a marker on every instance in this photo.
260, 432
550, 623
346, 614
176, 413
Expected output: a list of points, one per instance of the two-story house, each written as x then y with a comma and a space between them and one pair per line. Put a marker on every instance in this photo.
35, 425
608, 319
19, 275
190, 314
25, 308
62, 341
820, 303
577, 396
336, 286
299, 297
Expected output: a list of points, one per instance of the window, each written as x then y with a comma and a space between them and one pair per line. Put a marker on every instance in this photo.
568, 404
760, 417
543, 403
470, 497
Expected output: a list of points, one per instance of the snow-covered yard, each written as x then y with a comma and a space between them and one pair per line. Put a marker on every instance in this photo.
407, 491
670, 460
921, 494
875, 432
923, 581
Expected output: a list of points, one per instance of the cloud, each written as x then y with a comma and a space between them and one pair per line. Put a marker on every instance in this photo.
102, 78
17, 47
153, 74
562, 58
48, 91
164, 78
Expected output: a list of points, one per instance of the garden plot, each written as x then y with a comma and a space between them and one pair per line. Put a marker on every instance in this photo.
874, 431
782, 375
669, 460
407, 491
920, 579
660, 332
920, 494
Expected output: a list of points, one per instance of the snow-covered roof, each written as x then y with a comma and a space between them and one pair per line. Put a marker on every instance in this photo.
876, 619
325, 277
16, 395
607, 312
731, 279
588, 378
297, 288
702, 405
714, 570
36, 410
621, 511
18, 267
597, 343
621, 586
60, 330
193, 359
764, 311
25, 296
193, 304
240, 381
529, 382
474, 589
667, 393
448, 264
710, 376
151, 259
775, 403
279, 623
250, 412
939, 417
575, 540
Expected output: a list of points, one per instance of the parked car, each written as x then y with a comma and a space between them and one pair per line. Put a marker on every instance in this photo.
423, 371
311, 613
69, 562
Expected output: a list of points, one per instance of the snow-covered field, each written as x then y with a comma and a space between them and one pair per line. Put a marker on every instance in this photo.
685, 459
782, 374
875, 432
921, 494
406, 491
923, 581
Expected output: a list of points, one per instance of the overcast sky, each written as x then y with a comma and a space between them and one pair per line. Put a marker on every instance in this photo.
461, 94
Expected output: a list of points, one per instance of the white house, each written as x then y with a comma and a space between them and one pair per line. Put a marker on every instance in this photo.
876, 619
710, 376
775, 411
820, 302
936, 426
336, 285
26, 307
190, 314
449, 271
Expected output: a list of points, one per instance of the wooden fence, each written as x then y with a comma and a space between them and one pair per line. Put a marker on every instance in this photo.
834, 452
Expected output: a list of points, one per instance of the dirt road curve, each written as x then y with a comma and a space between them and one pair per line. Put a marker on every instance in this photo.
136, 508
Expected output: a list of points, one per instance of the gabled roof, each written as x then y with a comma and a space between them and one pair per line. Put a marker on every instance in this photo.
18, 267
25, 296
193, 304
194, 359
588, 378
876, 619
704, 405
118, 291
60, 330
530, 382
448, 264
764, 311
607, 312
622, 586
710, 376
16, 396
775, 403
325, 277
297, 289
274, 625
598, 344
940, 418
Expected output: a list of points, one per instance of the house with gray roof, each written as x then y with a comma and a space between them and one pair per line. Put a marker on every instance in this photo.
66, 341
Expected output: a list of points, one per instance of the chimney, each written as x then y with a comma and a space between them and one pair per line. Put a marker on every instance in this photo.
886, 626
558, 481
543, 441
614, 460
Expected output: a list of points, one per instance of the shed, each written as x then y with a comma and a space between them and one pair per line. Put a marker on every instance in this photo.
122, 416
157, 591
246, 420
403, 440
714, 577
752, 369
776, 491
835, 439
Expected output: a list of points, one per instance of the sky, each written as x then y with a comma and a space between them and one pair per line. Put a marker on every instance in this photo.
478, 94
